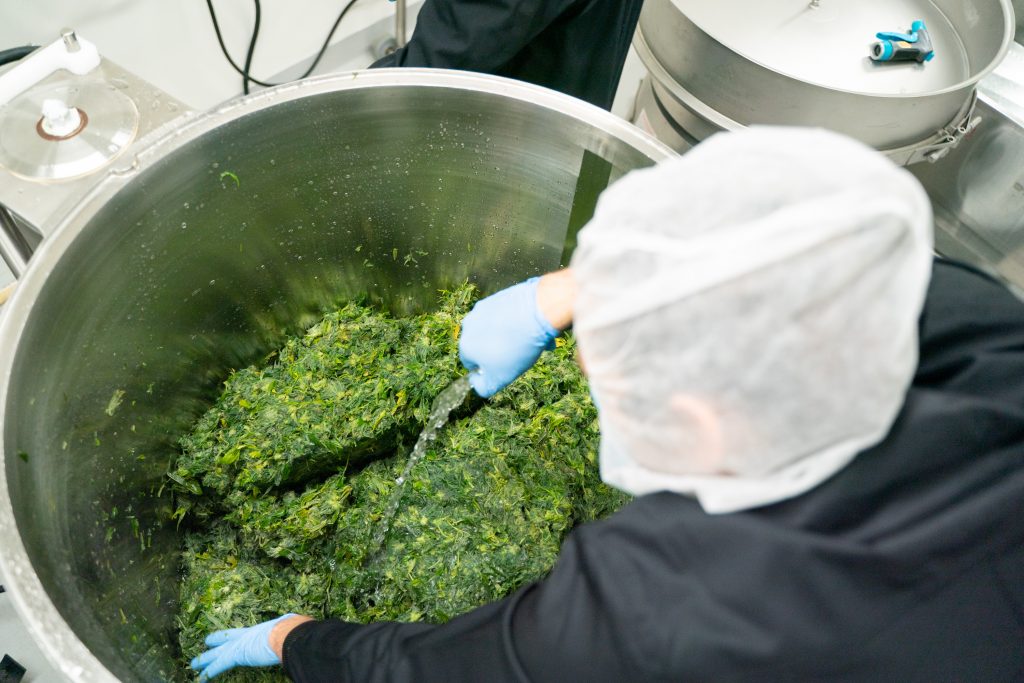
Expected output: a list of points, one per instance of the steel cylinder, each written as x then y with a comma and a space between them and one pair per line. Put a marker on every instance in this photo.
723, 65
200, 255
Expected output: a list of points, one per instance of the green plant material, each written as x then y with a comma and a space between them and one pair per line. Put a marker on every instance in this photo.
484, 513
114, 402
224, 586
353, 388
229, 174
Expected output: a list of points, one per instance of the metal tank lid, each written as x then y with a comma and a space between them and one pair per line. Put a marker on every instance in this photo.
828, 42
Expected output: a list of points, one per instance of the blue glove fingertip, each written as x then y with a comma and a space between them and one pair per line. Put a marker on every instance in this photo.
216, 669
469, 365
481, 385
218, 638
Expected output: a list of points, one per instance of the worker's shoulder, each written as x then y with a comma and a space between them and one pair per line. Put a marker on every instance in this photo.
971, 329
956, 282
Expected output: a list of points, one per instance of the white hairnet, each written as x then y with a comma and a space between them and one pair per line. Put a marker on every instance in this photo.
748, 313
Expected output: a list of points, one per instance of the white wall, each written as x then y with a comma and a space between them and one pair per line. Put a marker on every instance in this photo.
171, 43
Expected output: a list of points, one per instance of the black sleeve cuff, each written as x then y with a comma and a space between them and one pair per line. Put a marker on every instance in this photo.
312, 651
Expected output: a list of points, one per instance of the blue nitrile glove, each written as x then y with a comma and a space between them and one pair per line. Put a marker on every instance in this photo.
503, 336
237, 647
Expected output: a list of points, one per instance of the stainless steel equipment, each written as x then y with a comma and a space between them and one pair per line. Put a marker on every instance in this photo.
978, 190
400, 30
44, 169
198, 254
732, 63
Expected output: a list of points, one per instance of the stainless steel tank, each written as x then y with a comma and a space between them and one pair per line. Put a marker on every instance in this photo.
731, 63
199, 254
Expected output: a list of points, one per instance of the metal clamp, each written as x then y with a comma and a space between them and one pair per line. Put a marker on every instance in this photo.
945, 140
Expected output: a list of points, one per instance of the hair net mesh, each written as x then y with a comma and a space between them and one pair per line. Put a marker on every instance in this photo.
747, 313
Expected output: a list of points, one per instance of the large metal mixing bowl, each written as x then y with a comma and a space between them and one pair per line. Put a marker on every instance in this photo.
728, 64
199, 256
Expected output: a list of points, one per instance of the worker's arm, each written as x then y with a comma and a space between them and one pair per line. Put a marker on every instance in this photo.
474, 36
556, 297
578, 624
504, 334
972, 330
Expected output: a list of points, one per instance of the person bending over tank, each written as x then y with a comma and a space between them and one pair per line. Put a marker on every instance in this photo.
577, 47
823, 427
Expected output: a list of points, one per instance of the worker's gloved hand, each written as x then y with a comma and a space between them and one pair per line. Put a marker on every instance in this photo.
503, 336
237, 647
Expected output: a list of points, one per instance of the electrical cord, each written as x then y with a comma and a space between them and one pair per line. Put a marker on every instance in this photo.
16, 53
245, 72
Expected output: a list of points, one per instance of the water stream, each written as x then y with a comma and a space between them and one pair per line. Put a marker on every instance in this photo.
447, 401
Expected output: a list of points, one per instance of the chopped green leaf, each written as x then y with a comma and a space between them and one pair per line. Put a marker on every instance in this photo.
229, 174
283, 482
114, 402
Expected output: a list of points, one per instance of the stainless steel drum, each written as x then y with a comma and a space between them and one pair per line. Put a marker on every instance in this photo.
724, 64
199, 255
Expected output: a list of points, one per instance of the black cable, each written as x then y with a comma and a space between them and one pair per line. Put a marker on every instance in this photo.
252, 49
16, 53
244, 73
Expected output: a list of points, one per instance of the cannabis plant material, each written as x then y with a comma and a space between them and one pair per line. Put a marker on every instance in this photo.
484, 513
353, 388
225, 586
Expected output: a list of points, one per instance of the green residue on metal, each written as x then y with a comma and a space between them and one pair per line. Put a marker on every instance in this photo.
114, 402
23, 455
229, 174
283, 483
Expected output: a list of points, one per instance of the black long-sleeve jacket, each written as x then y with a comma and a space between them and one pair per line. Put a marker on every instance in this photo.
574, 46
908, 565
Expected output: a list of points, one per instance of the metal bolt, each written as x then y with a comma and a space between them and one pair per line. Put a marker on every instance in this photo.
70, 40
400, 32
815, 4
